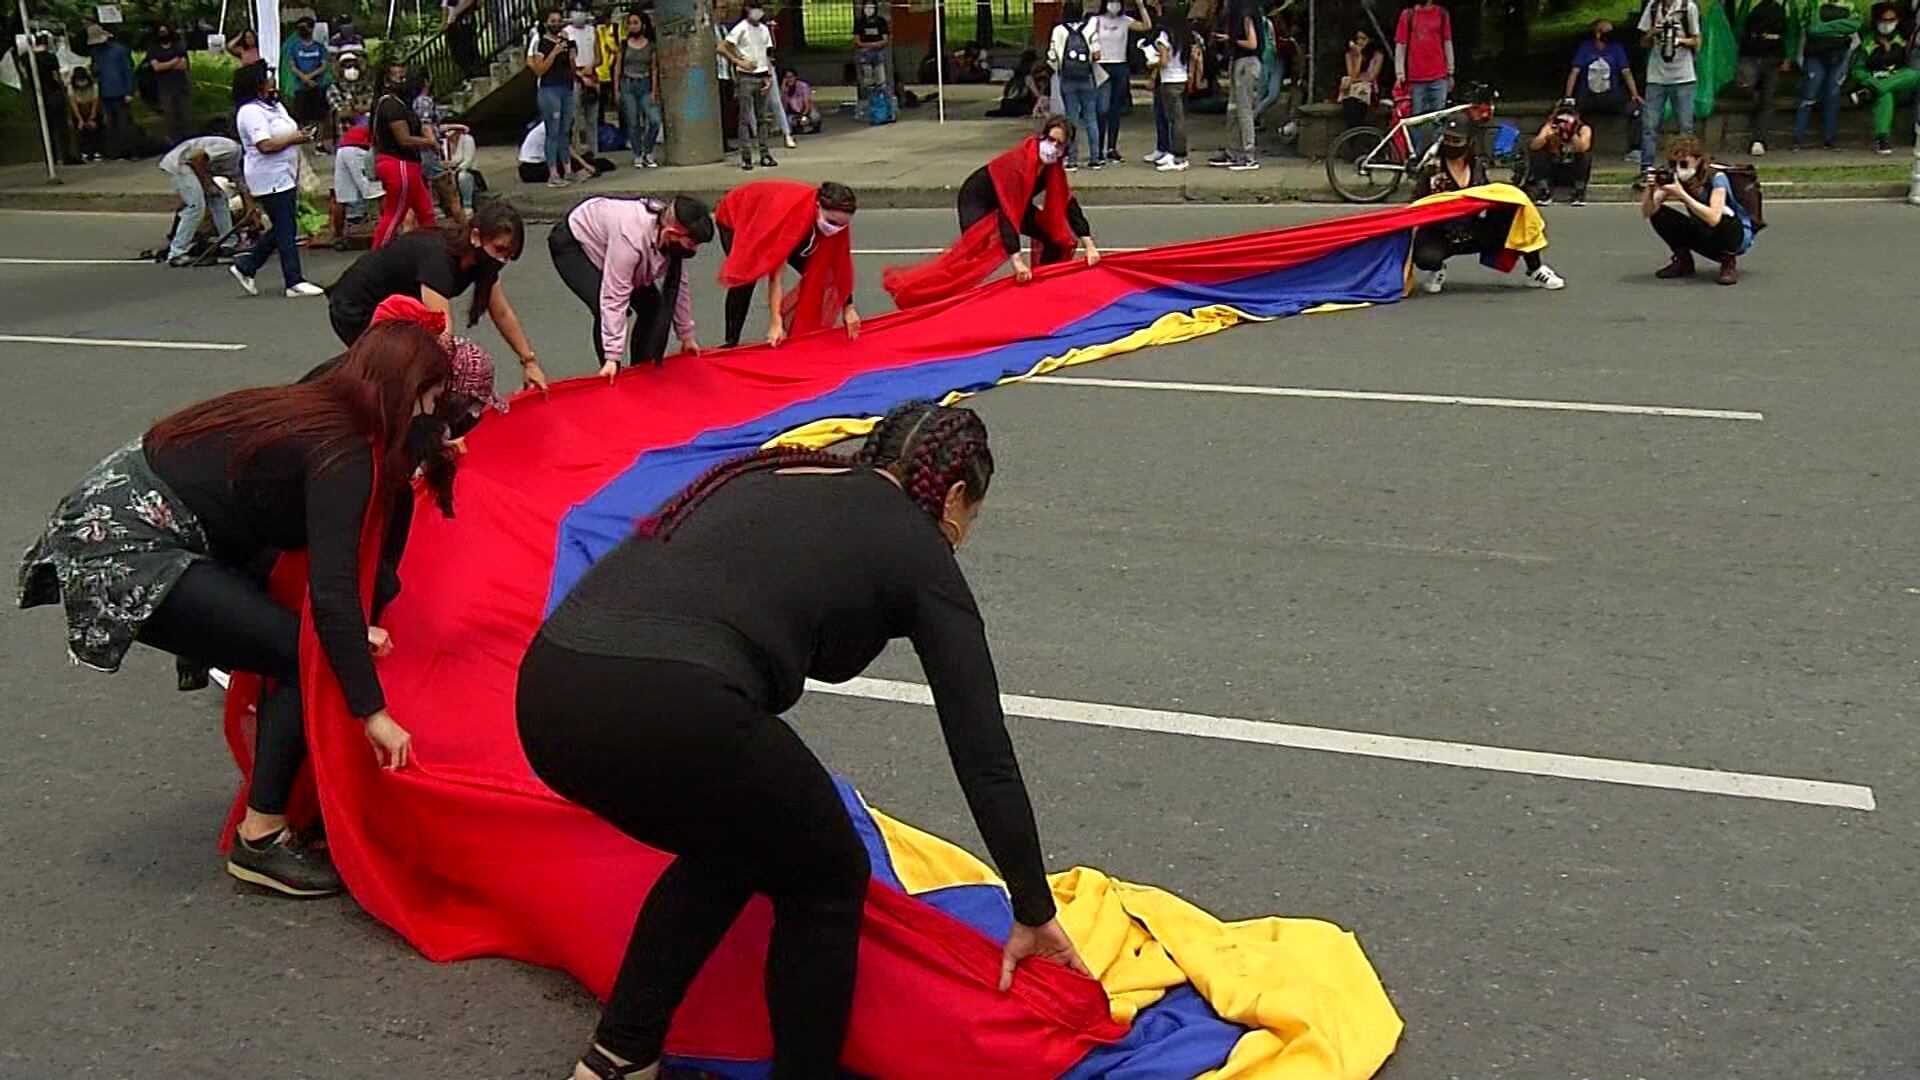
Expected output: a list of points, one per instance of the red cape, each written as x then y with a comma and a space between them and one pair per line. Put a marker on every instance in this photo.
978, 252
771, 218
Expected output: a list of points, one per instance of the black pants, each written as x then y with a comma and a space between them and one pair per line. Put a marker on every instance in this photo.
177, 105
347, 328
653, 317
1435, 244
60, 128
675, 757
219, 617
1549, 171
1685, 233
461, 41
116, 124
1766, 82
1614, 102
533, 172
1353, 113
740, 297
971, 212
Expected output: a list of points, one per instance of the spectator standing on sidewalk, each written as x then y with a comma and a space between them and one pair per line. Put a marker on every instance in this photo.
872, 44
1074, 53
307, 59
586, 74
1601, 81
551, 58
1423, 61
53, 91
1115, 99
1173, 55
1243, 45
168, 60
113, 71
192, 166
637, 74
271, 167
1880, 68
1670, 31
1763, 59
748, 47
1828, 34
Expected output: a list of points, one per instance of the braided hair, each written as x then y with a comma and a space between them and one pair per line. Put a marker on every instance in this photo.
929, 448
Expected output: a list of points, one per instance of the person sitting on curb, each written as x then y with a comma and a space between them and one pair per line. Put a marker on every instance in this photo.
1880, 67
1562, 153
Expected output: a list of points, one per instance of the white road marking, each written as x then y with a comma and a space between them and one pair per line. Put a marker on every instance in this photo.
11, 261
1398, 748
1416, 399
125, 343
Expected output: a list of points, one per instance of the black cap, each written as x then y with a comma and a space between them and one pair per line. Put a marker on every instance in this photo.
1456, 130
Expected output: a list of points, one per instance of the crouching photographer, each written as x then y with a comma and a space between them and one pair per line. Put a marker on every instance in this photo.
1562, 154
1691, 204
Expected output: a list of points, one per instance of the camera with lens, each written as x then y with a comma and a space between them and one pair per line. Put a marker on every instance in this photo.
1664, 175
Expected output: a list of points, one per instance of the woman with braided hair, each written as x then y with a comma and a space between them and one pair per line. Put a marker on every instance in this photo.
653, 694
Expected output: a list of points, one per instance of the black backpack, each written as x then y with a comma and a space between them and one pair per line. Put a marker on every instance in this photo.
1745, 181
1076, 59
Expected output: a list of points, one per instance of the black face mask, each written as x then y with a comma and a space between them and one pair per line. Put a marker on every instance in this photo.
1453, 150
166, 38
425, 437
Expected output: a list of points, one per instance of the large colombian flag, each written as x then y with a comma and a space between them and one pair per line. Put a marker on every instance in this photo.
466, 854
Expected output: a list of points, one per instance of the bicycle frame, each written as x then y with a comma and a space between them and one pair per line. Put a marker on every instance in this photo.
1400, 134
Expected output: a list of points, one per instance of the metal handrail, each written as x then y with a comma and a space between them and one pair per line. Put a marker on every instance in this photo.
496, 26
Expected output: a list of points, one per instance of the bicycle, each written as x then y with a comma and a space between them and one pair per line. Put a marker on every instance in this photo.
1366, 165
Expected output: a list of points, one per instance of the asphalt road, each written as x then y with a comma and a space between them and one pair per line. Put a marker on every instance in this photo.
1723, 594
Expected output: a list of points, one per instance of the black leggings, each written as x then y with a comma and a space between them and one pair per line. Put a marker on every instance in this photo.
347, 329
1684, 233
652, 318
1434, 245
673, 756
740, 297
219, 617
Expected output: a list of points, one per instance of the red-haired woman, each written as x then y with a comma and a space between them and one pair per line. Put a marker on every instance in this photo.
155, 546
653, 698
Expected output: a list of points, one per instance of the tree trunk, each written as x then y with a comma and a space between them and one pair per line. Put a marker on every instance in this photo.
689, 90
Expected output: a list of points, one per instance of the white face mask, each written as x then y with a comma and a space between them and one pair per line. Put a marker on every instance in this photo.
872, 11
1685, 172
827, 227
1887, 29
1113, 7
579, 18
1049, 151
756, 14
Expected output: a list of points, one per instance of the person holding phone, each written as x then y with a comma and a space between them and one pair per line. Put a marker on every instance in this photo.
271, 142
551, 58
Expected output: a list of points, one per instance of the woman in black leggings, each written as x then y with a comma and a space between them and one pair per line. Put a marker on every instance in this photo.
161, 542
653, 696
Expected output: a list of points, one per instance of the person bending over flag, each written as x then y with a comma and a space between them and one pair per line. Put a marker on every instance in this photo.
769, 225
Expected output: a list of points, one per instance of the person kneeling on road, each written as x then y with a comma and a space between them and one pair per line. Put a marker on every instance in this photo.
1691, 205
1486, 232
1562, 154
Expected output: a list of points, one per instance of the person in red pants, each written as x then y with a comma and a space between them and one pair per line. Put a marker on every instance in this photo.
398, 138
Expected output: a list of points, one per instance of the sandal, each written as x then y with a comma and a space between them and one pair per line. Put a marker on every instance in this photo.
602, 1066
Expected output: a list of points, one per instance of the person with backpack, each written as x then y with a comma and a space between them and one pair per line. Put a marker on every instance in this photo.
1880, 68
1828, 34
1074, 51
1763, 59
1601, 81
1694, 208
1670, 32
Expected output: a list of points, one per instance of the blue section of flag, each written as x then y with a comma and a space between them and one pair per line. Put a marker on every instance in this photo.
1177, 1036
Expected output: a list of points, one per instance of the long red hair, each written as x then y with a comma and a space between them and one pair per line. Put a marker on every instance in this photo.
368, 400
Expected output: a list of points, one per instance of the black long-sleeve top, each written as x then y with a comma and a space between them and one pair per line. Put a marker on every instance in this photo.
978, 199
777, 578
288, 499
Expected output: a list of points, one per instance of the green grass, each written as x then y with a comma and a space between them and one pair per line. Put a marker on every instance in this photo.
1568, 26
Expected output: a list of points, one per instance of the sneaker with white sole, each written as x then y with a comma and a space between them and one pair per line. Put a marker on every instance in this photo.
1431, 281
1758, 149
305, 288
1154, 158
1172, 164
1222, 159
245, 280
1244, 163
1545, 278
281, 863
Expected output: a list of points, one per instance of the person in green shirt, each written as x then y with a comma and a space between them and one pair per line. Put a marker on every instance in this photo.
1881, 72
1828, 31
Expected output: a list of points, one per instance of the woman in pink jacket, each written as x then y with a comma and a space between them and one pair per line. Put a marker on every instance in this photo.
622, 256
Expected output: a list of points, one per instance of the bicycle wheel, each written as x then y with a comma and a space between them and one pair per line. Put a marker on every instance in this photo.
1380, 175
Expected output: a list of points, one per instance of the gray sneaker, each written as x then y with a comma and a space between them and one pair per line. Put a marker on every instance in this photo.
278, 862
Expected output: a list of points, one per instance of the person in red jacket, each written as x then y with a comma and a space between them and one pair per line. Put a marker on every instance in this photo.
996, 208
769, 225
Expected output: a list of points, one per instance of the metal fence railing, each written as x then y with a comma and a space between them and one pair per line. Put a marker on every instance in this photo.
828, 24
466, 50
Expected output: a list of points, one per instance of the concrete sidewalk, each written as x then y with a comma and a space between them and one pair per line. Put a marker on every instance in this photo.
918, 162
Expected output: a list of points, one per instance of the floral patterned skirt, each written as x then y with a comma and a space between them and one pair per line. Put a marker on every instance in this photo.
112, 551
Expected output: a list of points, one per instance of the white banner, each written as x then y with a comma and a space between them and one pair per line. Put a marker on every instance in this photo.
267, 13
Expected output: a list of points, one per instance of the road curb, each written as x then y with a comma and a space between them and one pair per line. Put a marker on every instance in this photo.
544, 204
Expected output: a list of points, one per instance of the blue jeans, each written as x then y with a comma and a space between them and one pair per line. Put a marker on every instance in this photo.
1426, 97
1082, 104
873, 69
556, 111
1654, 112
1820, 80
1273, 79
195, 207
641, 111
283, 236
1115, 100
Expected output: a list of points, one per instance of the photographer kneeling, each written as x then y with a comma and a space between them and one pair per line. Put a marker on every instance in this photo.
1562, 154
1691, 206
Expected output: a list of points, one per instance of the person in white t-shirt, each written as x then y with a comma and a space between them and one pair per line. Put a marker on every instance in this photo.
1172, 57
1110, 29
586, 81
272, 169
748, 47
532, 158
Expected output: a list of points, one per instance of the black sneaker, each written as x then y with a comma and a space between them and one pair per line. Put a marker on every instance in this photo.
278, 863
1579, 199
766, 160
1883, 147
1096, 163
1114, 156
1245, 163
746, 163
1222, 159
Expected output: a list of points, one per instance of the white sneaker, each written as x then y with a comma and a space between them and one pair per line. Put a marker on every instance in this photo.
246, 282
1431, 281
790, 143
1545, 278
1633, 156
305, 288
1154, 158
1758, 149
1171, 164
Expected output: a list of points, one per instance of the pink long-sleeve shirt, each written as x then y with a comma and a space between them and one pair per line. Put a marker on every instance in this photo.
622, 237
